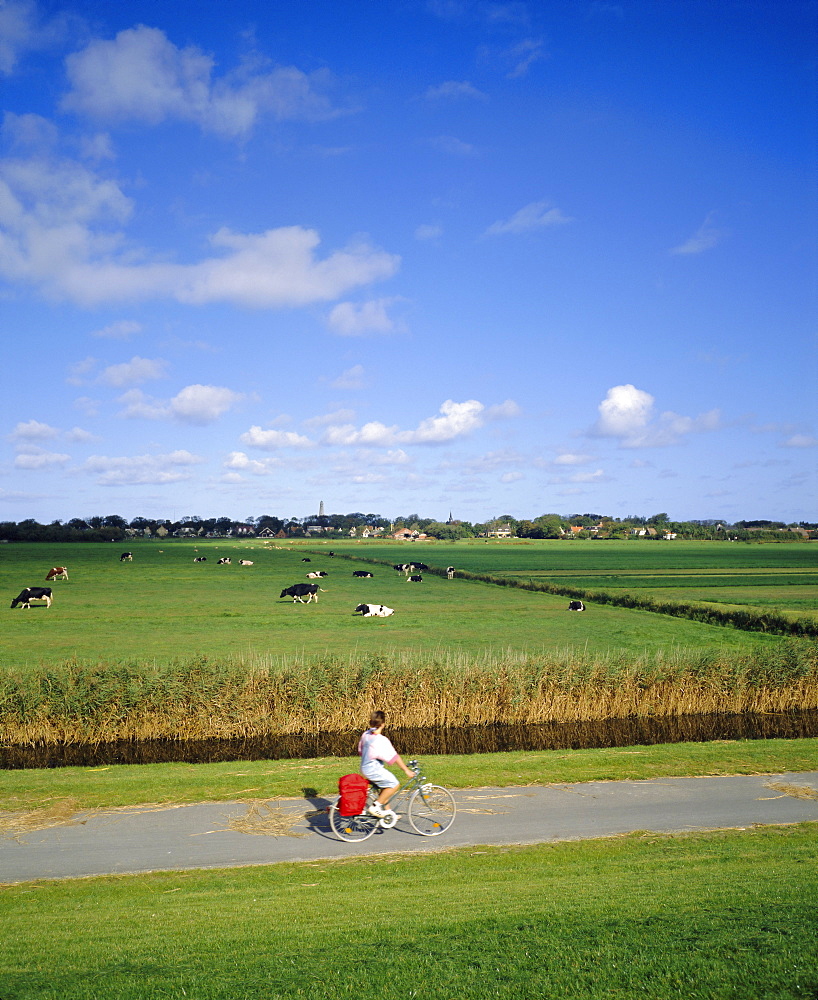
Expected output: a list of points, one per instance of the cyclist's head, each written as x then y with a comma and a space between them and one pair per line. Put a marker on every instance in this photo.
377, 719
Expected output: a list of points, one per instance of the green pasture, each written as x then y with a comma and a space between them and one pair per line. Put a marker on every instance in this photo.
163, 605
717, 916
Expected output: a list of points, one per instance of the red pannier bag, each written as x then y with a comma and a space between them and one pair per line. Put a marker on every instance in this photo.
353, 789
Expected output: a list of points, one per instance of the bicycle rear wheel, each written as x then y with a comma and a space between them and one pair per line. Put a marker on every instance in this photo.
352, 828
431, 810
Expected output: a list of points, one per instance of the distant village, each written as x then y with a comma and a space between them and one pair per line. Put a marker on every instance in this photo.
409, 528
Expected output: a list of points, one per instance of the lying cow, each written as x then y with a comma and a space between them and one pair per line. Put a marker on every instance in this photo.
299, 591
576, 606
414, 579
318, 574
373, 611
29, 594
305, 559
57, 573
224, 561
126, 557
362, 573
200, 558
245, 562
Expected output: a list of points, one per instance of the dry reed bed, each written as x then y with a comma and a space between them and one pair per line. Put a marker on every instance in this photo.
81, 702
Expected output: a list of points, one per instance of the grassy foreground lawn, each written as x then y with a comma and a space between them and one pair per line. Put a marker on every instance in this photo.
137, 784
719, 916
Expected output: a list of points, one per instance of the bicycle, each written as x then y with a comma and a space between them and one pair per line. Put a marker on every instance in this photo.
431, 810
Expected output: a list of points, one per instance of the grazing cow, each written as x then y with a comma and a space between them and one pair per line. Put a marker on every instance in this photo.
450, 572
374, 610
126, 557
245, 562
414, 579
361, 573
576, 606
200, 558
29, 594
299, 591
417, 567
224, 561
57, 573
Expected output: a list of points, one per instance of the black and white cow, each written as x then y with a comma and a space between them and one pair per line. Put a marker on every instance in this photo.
200, 558
317, 574
126, 557
305, 559
245, 562
414, 579
576, 606
29, 594
224, 561
418, 567
450, 572
299, 591
361, 573
401, 567
373, 611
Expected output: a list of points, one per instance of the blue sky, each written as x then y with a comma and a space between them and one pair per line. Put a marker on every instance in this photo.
412, 255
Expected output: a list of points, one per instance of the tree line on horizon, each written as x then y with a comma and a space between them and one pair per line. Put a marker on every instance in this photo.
114, 527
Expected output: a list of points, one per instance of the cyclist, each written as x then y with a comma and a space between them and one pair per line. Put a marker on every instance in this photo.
376, 750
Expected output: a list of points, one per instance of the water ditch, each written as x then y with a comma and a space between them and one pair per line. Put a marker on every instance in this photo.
420, 742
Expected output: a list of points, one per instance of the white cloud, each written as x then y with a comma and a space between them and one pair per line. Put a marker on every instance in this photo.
32, 457
272, 439
142, 76
504, 410
22, 31
570, 458
142, 470
330, 418
58, 231
195, 404
627, 413
352, 378
133, 372
122, 329
588, 477
536, 215
453, 90
239, 462
350, 319
523, 56
202, 404
428, 232
455, 420
624, 412
705, 238
33, 430
453, 146
801, 441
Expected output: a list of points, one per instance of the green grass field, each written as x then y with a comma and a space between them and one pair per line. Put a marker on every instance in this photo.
164, 606
719, 916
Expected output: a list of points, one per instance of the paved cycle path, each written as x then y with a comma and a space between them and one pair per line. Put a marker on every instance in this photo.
220, 835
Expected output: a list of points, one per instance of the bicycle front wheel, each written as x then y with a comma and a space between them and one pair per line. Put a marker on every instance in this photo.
352, 828
431, 810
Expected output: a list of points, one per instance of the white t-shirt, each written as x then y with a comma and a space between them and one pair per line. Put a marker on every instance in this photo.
376, 747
